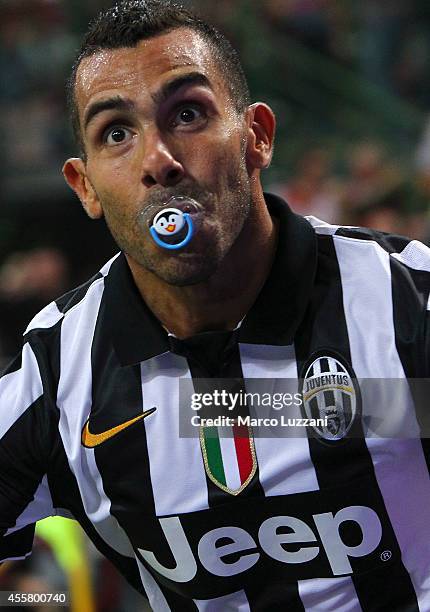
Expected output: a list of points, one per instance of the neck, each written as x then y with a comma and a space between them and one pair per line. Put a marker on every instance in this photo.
220, 302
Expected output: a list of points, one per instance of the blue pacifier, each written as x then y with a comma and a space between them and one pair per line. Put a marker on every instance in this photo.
170, 222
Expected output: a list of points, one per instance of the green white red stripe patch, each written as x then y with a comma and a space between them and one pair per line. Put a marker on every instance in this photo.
229, 456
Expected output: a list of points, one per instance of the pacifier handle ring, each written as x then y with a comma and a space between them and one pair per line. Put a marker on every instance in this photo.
180, 245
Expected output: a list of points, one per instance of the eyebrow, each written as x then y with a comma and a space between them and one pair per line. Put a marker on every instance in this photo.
166, 91
171, 87
115, 103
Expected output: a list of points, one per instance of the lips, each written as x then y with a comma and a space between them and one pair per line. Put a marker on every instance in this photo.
184, 204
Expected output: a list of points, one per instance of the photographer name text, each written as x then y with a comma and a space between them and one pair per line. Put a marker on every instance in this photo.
248, 421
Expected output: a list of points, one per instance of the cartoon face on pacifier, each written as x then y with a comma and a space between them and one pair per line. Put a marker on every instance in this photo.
168, 222
171, 222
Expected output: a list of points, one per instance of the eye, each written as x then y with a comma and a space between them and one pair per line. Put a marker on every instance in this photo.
162, 223
117, 135
188, 115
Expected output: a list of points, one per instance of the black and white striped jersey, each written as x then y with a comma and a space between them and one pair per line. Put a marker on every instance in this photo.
89, 429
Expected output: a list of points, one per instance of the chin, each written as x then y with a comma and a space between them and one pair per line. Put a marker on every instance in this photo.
187, 270
186, 280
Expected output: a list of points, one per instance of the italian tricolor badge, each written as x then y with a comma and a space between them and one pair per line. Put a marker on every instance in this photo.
229, 456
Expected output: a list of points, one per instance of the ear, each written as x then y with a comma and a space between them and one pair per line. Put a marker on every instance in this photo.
75, 173
261, 134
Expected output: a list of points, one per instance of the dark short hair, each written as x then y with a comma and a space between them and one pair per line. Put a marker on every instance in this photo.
130, 21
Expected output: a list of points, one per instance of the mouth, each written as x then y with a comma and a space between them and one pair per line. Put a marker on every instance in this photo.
182, 203
185, 204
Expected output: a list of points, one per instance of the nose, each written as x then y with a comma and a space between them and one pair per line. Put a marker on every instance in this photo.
160, 167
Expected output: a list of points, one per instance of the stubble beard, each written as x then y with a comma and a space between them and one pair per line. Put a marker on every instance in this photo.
227, 216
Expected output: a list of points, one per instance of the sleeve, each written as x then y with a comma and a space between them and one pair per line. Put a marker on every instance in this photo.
411, 289
24, 491
411, 304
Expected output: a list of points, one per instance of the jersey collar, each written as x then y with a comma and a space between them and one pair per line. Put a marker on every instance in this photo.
281, 304
273, 319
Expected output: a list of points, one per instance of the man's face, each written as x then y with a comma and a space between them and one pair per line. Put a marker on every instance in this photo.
157, 121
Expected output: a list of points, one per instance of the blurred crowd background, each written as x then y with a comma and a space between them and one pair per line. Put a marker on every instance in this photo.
350, 84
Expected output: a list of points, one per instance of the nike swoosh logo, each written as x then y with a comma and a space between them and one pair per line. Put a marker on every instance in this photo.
91, 440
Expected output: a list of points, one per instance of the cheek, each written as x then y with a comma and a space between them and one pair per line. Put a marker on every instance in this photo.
208, 153
217, 161
115, 182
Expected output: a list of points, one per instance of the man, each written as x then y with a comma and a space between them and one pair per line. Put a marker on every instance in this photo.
327, 520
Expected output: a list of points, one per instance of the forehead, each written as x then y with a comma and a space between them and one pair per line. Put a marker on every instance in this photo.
142, 69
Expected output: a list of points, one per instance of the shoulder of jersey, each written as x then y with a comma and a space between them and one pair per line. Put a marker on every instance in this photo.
412, 253
58, 309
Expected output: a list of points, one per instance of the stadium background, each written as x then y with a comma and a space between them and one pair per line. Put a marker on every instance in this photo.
350, 84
